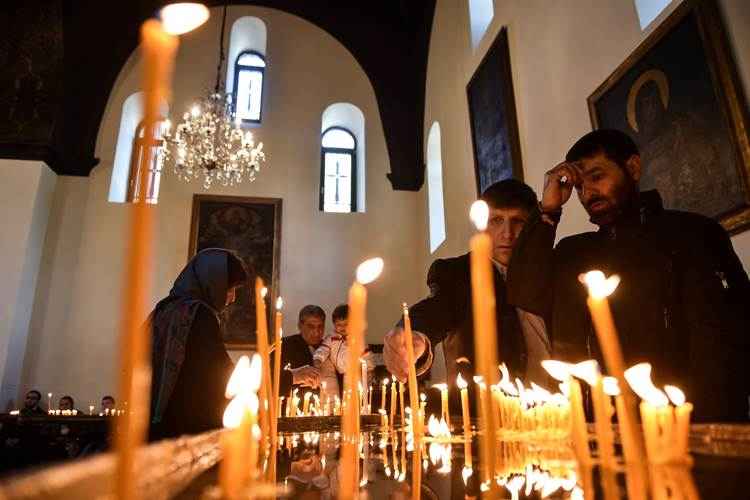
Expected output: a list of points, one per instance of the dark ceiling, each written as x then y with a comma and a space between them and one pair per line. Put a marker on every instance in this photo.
61, 59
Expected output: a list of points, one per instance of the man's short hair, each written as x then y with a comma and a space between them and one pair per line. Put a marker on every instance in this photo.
510, 193
614, 144
341, 312
311, 310
34, 391
108, 397
69, 398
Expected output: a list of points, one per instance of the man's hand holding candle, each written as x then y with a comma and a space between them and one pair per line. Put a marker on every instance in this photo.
395, 355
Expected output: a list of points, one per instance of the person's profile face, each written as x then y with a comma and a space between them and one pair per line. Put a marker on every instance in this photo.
604, 189
339, 326
312, 328
65, 404
504, 226
32, 400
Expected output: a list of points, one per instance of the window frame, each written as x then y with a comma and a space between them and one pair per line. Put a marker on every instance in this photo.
352, 178
154, 169
238, 68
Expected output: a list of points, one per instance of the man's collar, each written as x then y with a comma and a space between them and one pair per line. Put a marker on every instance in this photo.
502, 269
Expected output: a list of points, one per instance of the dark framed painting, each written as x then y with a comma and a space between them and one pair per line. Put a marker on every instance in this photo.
252, 228
678, 95
492, 115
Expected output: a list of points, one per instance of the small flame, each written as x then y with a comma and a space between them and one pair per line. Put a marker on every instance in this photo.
234, 412
505, 383
460, 382
610, 386
385, 381
466, 473
438, 428
180, 18
369, 270
586, 370
264, 292
195, 111
558, 370
676, 396
279, 303
478, 379
639, 378
479, 214
441, 386
239, 375
599, 286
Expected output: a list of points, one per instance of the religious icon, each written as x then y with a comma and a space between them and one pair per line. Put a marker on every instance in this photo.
677, 96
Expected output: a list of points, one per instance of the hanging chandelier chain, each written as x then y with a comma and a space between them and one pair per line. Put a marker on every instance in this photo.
221, 50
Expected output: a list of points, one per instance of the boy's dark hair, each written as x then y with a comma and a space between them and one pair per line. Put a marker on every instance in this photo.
510, 193
311, 310
34, 391
108, 397
69, 398
616, 145
341, 312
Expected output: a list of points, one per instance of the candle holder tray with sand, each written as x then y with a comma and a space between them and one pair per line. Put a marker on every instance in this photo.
329, 423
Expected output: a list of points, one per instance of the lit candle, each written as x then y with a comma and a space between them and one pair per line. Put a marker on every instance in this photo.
383, 393
422, 409
652, 407
401, 402
278, 334
589, 371
394, 400
236, 469
682, 422
462, 386
485, 329
158, 49
445, 413
367, 272
599, 289
49, 401
383, 420
369, 399
562, 371
91, 409
413, 388
306, 404
261, 331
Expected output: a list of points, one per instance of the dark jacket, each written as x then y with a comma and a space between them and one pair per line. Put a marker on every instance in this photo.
677, 306
295, 353
446, 316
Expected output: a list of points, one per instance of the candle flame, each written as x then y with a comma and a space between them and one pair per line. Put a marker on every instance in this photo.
675, 394
586, 370
639, 379
478, 379
233, 413
239, 374
369, 270
460, 382
466, 473
505, 383
610, 386
195, 110
385, 381
263, 292
279, 303
422, 397
479, 214
558, 370
442, 386
180, 18
599, 286
438, 428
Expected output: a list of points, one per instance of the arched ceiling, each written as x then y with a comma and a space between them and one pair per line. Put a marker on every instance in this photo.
62, 58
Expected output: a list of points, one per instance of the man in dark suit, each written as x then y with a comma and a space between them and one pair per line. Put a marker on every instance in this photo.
446, 315
297, 350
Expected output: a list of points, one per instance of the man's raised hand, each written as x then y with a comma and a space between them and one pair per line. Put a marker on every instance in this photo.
558, 185
395, 355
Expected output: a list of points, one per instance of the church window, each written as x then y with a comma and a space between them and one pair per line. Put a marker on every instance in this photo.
481, 13
648, 10
435, 200
338, 171
247, 96
144, 145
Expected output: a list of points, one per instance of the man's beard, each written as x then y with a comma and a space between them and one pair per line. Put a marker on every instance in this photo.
623, 199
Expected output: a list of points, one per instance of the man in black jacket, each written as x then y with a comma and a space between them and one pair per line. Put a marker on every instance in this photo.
296, 352
446, 315
683, 289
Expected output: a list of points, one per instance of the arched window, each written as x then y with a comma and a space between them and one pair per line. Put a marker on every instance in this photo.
128, 150
338, 170
247, 91
246, 68
481, 13
342, 158
435, 188
143, 144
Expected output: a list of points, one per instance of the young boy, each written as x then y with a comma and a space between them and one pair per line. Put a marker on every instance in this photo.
331, 356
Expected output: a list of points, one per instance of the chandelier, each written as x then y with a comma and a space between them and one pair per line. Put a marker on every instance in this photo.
209, 143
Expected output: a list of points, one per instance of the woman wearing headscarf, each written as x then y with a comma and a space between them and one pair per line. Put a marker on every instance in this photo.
190, 364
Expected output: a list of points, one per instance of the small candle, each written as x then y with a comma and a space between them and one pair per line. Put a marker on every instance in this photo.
394, 400
278, 334
49, 401
445, 413
383, 393
462, 386
383, 420
589, 371
401, 402
682, 422
261, 330
562, 371
413, 387
306, 404
91, 409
